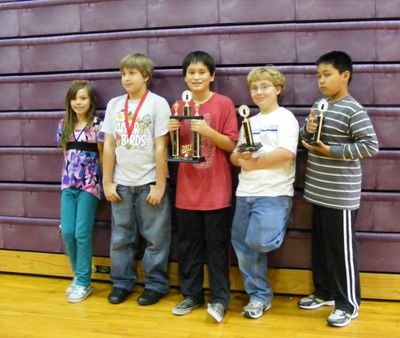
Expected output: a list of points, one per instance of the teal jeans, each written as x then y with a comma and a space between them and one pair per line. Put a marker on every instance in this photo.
78, 211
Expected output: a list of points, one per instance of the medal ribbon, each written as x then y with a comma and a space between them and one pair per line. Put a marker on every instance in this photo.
130, 127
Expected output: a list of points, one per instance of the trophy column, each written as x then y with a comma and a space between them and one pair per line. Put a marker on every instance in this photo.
322, 107
175, 134
244, 111
196, 137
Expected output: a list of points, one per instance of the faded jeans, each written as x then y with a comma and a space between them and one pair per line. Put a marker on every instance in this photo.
258, 227
131, 217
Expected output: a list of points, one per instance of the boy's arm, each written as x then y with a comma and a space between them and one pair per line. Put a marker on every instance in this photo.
365, 142
272, 159
100, 148
222, 141
161, 151
364, 145
110, 188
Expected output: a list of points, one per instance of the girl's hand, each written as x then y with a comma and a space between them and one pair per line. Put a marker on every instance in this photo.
110, 192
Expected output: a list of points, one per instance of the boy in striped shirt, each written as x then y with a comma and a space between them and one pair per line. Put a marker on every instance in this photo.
333, 186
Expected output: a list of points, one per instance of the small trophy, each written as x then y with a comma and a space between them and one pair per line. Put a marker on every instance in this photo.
244, 111
190, 153
322, 106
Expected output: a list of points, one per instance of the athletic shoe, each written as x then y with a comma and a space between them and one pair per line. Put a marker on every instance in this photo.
186, 306
255, 309
341, 318
79, 293
311, 302
217, 311
69, 289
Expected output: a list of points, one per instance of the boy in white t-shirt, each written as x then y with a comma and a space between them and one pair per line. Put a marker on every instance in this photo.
134, 180
265, 190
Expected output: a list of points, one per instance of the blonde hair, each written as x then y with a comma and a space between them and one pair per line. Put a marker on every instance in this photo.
269, 73
140, 62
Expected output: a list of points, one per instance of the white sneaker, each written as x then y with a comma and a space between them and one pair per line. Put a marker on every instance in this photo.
79, 293
69, 289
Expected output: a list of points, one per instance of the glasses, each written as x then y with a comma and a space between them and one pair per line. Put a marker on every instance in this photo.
262, 89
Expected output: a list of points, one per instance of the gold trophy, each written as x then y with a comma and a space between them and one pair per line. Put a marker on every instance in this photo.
244, 111
322, 106
190, 153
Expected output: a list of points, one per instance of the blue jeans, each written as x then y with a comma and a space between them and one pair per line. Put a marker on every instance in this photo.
78, 211
132, 217
258, 227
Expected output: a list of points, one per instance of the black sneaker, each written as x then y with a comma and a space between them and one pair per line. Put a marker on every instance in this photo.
186, 306
118, 295
150, 297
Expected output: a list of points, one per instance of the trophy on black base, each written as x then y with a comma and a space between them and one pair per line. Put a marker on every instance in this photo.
190, 153
322, 106
244, 111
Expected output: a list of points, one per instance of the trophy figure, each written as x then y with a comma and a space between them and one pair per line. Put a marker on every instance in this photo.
190, 153
322, 106
186, 97
244, 111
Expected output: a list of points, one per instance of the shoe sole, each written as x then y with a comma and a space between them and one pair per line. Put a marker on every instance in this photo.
216, 315
248, 315
71, 300
317, 306
182, 312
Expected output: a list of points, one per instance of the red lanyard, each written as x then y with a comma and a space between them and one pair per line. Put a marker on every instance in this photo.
129, 127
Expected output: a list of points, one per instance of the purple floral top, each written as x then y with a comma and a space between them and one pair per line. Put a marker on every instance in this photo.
81, 168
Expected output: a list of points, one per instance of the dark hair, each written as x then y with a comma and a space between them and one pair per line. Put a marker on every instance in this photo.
339, 60
198, 56
70, 118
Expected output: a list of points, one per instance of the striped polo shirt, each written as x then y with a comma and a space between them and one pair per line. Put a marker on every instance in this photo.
335, 181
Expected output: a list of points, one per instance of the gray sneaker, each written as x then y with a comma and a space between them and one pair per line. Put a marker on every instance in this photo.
255, 309
186, 306
311, 302
217, 311
341, 318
